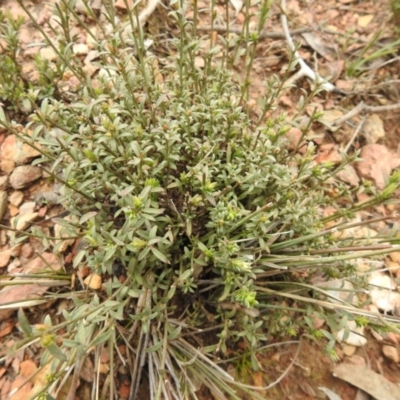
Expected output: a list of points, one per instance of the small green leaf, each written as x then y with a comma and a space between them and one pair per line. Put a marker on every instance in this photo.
226, 292
56, 352
189, 227
154, 348
153, 232
102, 338
24, 323
175, 333
79, 258
171, 292
110, 253
144, 253
201, 246
87, 216
159, 255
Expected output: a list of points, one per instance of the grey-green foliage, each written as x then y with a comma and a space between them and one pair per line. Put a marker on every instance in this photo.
166, 174
177, 174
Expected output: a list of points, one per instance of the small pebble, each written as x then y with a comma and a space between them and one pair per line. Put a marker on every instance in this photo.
376, 335
47, 53
24, 221
93, 281
16, 250
391, 353
356, 335
13, 265
356, 360
5, 258
27, 208
80, 49
349, 350
13, 210
26, 250
392, 337
16, 198
24, 175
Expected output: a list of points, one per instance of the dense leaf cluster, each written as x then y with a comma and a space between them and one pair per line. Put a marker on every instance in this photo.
169, 179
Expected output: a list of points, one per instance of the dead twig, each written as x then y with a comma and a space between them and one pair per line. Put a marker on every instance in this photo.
374, 86
263, 34
305, 70
362, 107
355, 134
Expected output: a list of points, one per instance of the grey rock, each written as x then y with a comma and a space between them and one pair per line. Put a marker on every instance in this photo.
22, 223
14, 152
50, 198
16, 198
24, 175
27, 208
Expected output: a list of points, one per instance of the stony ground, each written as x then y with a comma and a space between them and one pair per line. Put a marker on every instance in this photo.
334, 36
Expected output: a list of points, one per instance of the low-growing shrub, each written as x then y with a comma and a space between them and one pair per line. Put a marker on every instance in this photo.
195, 215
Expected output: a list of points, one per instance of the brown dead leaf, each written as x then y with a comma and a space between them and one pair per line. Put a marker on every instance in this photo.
377, 163
361, 395
124, 390
294, 136
27, 368
258, 379
369, 381
332, 70
349, 175
40, 379
5, 387
307, 388
21, 388
286, 101
317, 44
87, 372
329, 116
11, 294
344, 85
329, 153
395, 257
6, 327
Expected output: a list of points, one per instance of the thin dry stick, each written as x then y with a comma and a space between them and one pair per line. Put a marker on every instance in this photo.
305, 70
374, 86
263, 34
362, 107
356, 132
